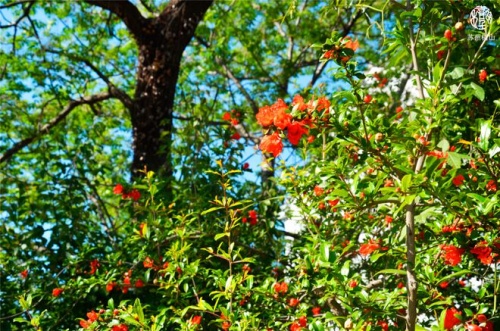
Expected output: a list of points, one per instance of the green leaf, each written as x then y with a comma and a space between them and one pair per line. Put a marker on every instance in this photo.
454, 159
392, 271
444, 145
478, 91
485, 134
138, 310
318, 326
325, 252
406, 183
221, 235
211, 210
457, 73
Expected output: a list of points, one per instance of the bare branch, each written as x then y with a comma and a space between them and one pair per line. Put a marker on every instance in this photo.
47, 127
127, 12
26, 12
113, 90
230, 75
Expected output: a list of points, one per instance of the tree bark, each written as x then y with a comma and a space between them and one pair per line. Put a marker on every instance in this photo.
161, 42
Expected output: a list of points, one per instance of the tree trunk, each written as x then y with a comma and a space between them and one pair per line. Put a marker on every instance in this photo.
161, 45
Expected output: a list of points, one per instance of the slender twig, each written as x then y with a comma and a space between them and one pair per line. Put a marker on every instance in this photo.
47, 127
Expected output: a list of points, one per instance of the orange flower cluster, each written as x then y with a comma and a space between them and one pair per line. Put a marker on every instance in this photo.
277, 120
452, 255
368, 248
335, 53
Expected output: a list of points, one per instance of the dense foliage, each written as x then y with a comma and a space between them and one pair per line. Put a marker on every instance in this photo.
378, 128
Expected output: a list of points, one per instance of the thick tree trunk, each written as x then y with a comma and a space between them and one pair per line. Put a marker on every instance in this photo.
161, 45
161, 41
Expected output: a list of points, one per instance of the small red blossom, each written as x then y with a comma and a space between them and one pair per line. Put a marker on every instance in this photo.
118, 189
473, 327
295, 131
348, 216
85, 324
226, 116
449, 229
24, 274
139, 283
483, 75
235, 136
281, 288
318, 191
148, 263
246, 268
388, 183
451, 319
268, 114
135, 194
295, 326
57, 291
483, 252
491, 186
310, 139
195, 320
110, 286
353, 283
303, 321
400, 285
282, 119
368, 248
368, 98
458, 180
388, 219
225, 325
293, 302
383, 325
452, 255
438, 154
271, 144
92, 316
423, 141
440, 54
120, 327
323, 104
316, 311
141, 229
298, 101
245, 166
444, 284
334, 202
448, 35
94, 265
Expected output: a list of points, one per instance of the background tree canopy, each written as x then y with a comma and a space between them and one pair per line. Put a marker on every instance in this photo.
134, 194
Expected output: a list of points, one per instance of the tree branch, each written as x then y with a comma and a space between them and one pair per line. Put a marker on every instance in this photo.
113, 90
322, 65
26, 12
127, 12
47, 127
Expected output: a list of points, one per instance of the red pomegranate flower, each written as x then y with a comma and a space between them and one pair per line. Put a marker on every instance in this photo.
450, 319
57, 291
295, 132
458, 180
196, 320
271, 144
368, 248
452, 255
